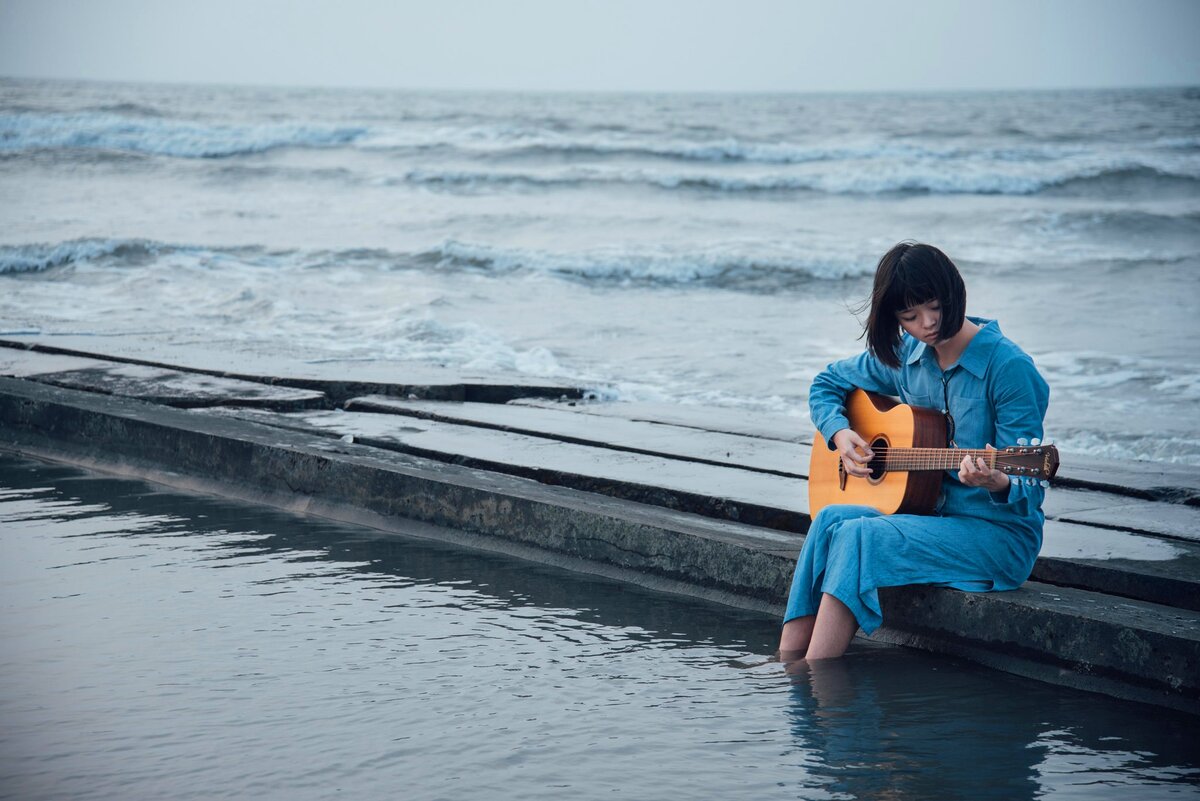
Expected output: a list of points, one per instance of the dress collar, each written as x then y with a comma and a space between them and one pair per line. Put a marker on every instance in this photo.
978, 354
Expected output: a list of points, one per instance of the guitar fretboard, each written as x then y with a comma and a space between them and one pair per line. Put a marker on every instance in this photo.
910, 459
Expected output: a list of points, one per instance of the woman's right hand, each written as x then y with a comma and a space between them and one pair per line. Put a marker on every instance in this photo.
855, 451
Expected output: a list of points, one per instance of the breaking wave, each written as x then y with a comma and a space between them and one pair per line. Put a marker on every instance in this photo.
865, 179
38, 257
158, 137
722, 264
731, 263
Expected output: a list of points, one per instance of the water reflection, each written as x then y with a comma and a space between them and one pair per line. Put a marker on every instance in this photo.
573, 668
900, 729
312, 547
893, 725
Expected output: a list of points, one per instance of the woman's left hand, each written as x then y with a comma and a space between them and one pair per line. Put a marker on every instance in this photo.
976, 473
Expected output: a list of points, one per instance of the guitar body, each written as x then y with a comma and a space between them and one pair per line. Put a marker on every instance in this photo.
884, 424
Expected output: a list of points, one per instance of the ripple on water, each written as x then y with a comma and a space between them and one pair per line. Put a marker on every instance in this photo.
170, 646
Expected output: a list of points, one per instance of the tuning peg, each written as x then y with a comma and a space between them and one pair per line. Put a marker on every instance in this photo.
1035, 441
1044, 483
1022, 441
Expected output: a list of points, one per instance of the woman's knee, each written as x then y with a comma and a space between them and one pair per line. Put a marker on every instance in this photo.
833, 516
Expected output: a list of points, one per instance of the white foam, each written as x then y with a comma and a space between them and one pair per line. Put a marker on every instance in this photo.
509, 140
463, 345
722, 261
1107, 445
102, 131
974, 176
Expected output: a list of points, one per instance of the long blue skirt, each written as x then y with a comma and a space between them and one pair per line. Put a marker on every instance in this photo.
852, 551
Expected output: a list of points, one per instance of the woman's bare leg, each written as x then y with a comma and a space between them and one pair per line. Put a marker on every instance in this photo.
833, 630
797, 633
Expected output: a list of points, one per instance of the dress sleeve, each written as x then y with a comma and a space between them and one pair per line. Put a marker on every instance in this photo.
827, 395
1020, 396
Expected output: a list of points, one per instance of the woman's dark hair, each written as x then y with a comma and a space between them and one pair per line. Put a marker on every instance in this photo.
908, 275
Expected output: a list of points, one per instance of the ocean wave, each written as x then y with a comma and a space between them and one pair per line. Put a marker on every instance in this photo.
1179, 142
127, 108
508, 141
1105, 225
108, 131
721, 150
39, 257
1127, 179
736, 263
864, 179
746, 264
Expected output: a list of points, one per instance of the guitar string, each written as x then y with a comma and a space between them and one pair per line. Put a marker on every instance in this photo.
946, 458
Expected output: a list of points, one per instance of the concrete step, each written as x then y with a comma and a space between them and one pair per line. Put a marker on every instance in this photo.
154, 384
1119, 562
766, 500
1128, 510
1161, 481
778, 457
333, 378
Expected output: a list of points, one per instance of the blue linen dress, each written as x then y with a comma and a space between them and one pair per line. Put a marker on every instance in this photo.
975, 540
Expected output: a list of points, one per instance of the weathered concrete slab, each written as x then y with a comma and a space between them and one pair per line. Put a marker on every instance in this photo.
1096, 639
331, 377
1181, 521
1087, 557
1177, 483
1140, 479
636, 436
1128, 648
153, 384
788, 459
744, 422
760, 499
1120, 563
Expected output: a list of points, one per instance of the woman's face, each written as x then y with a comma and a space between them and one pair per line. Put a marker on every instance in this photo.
922, 322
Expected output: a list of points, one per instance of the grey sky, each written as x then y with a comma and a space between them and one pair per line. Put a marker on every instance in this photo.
697, 45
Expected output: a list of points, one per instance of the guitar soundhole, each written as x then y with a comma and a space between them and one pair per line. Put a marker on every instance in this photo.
879, 445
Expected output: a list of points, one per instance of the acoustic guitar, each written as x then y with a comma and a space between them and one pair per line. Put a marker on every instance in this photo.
910, 454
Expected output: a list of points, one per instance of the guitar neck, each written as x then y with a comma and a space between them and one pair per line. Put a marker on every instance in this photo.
913, 459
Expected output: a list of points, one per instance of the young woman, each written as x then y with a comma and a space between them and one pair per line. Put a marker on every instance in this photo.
987, 529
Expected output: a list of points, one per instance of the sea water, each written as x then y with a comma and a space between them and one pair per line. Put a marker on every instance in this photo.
161, 645
688, 248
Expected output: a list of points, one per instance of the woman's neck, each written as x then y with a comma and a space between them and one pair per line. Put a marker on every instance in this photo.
948, 351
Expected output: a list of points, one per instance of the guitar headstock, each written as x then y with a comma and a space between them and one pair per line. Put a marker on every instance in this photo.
1035, 461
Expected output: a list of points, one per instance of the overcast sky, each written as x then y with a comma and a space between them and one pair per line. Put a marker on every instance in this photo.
689, 45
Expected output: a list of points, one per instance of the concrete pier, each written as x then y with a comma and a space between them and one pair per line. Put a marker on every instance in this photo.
686, 501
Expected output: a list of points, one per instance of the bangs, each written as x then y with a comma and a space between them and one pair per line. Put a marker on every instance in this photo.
911, 287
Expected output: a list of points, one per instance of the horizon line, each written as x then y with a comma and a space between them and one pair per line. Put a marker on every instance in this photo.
609, 91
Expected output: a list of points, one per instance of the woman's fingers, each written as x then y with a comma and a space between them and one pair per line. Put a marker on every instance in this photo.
855, 452
856, 469
859, 450
856, 462
975, 472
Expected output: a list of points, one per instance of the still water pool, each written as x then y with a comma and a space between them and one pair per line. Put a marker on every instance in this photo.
158, 645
